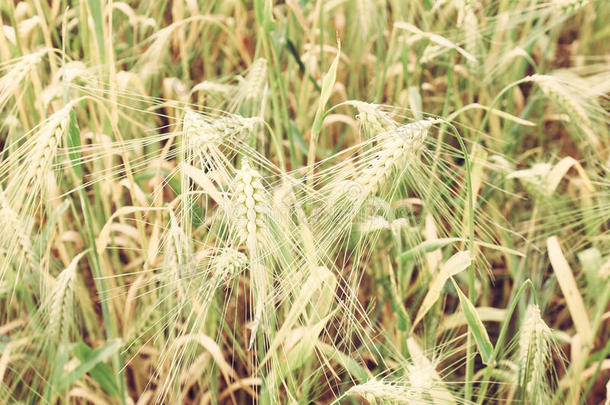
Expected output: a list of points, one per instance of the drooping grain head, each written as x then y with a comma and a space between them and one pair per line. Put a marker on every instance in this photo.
15, 244
380, 392
11, 81
61, 301
202, 131
49, 139
374, 120
395, 151
571, 101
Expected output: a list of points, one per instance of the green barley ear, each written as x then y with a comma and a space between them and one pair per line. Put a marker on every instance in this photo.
365, 20
251, 91
570, 94
177, 260
33, 161
374, 120
60, 303
15, 72
15, 244
250, 205
210, 142
395, 152
203, 132
569, 7
467, 21
535, 357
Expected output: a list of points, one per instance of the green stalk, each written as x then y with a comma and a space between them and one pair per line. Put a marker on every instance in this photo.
471, 269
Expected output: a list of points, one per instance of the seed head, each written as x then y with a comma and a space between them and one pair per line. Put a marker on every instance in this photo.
250, 203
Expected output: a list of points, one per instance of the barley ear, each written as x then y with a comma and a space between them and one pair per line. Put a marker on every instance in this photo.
535, 344
61, 302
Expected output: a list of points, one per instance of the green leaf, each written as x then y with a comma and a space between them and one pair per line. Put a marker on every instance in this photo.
476, 326
74, 143
95, 7
263, 10
427, 247
327, 85
55, 381
45, 235
454, 265
89, 362
101, 372
297, 137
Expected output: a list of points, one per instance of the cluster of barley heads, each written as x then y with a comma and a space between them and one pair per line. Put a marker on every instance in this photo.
343, 202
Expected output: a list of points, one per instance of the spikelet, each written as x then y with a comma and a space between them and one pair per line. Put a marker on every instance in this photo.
250, 204
534, 356
394, 152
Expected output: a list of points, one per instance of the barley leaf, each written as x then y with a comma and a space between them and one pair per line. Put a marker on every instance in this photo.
456, 263
74, 143
568, 286
101, 372
427, 247
89, 362
264, 14
327, 85
476, 326
49, 228
95, 7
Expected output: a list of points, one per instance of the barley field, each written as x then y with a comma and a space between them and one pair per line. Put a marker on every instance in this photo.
305, 202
